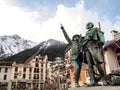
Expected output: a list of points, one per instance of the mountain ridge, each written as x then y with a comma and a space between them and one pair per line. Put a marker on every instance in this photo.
52, 48
10, 45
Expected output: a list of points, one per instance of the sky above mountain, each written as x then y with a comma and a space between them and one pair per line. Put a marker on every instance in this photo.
40, 20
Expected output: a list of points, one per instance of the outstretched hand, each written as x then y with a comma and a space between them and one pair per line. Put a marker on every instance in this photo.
61, 26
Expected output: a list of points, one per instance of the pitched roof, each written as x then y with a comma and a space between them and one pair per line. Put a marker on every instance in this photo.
114, 41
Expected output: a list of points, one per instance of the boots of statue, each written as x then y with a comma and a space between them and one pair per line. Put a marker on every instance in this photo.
104, 81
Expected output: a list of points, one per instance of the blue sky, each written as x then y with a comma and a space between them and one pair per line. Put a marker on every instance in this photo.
39, 20
104, 8
52, 4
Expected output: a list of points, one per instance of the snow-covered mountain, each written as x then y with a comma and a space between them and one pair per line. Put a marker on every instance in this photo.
10, 45
51, 43
52, 48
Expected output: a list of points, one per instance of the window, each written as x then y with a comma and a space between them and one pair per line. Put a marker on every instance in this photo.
16, 69
36, 76
29, 76
36, 70
41, 76
41, 64
42, 70
87, 73
5, 77
118, 55
37, 60
118, 58
30, 69
6, 70
24, 69
15, 75
24, 75
36, 64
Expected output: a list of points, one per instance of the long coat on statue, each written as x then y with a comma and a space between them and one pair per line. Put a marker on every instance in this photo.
93, 42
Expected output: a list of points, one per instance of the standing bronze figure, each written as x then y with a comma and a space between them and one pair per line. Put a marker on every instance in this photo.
92, 44
74, 54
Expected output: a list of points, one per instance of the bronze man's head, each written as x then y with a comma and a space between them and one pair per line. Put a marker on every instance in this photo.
89, 25
76, 37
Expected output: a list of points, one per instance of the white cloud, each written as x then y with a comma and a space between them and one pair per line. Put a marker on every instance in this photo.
14, 20
30, 25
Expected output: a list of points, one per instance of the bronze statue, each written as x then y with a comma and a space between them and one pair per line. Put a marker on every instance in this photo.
74, 54
93, 42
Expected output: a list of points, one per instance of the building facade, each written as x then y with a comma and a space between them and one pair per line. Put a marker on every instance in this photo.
37, 71
32, 73
5, 74
112, 53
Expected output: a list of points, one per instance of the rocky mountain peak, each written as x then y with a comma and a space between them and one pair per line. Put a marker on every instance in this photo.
10, 45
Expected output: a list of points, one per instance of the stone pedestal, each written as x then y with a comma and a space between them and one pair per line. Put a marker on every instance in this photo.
97, 88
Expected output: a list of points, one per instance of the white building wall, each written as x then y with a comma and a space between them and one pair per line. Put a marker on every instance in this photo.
111, 62
9, 74
27, 73
1, 73
12, 73
30, 64
20, 72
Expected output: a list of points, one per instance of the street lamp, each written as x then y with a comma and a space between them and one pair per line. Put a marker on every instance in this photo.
58, 60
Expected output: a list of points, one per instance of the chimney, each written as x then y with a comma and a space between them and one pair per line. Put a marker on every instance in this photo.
114, 33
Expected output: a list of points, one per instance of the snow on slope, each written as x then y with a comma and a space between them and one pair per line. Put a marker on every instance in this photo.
10, 45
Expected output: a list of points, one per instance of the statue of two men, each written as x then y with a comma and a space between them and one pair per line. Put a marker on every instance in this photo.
90, 45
